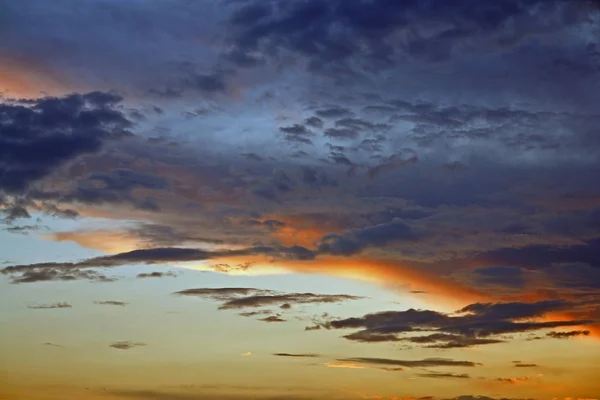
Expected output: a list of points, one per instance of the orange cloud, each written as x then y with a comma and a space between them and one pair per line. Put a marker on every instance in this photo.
344, 364
110, 242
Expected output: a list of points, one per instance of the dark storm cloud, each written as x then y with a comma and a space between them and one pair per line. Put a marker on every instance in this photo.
38, 136
476, 324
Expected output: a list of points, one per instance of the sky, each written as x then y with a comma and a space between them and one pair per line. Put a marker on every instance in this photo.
299, 199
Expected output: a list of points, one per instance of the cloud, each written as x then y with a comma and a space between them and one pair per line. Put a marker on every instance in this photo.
59, 274
55, 130
111, 303
475, 324
162, 255
273, 318
53, 345
567, 335
471, 397
376, 236
239, 298
126, 345
500, 275
156, 274
210, 394
513, 381
51, 306
424, 363
297, 355
524, 365
444, 375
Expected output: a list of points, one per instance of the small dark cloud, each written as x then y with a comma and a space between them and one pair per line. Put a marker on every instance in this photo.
54, 345
444, 375
567, 335
51, 306
312, 328
111, 303
341, 133
253, 157
424, 363
523, 365
255, 313
156, 274
126, 345
298, 134
335, 112
314, 122
403, 158
23, 229
273, 318
297, 355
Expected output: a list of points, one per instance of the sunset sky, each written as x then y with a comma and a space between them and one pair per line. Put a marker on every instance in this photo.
299, 199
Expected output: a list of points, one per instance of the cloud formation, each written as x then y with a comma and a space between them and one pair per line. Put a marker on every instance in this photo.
475, 324
126, 345
51, 306
243, 298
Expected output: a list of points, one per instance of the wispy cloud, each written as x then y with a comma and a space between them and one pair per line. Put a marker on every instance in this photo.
126, 345
111, 303
50, 306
